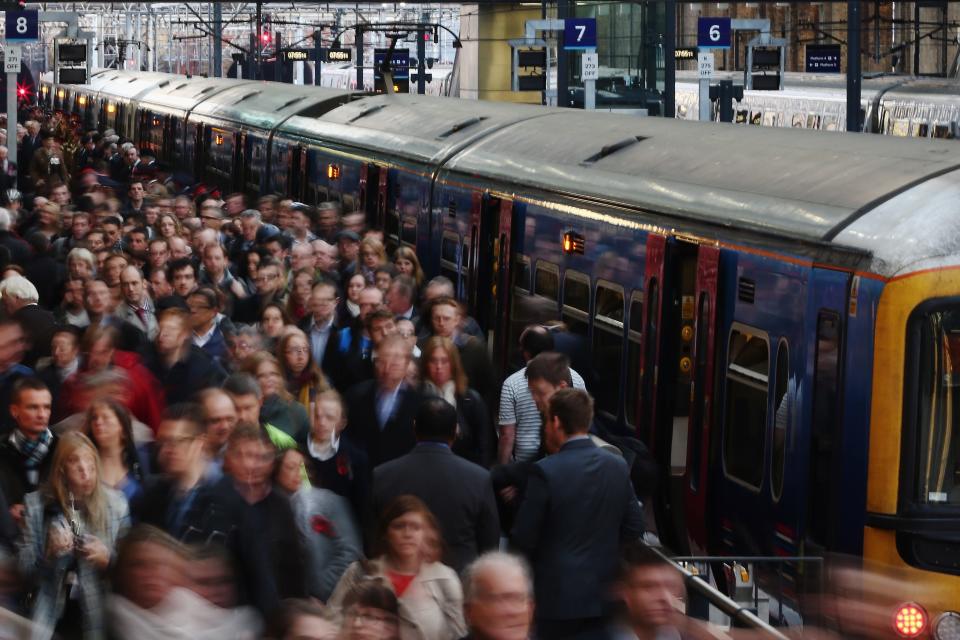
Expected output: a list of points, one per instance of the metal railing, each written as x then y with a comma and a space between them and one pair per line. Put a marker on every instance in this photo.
742, 612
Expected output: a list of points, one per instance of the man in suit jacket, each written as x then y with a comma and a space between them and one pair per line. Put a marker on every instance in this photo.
380, 412
8, 170
20, 301
578, 509
458, 492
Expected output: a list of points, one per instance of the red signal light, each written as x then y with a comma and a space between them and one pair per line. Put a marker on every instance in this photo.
266, 37
910, 620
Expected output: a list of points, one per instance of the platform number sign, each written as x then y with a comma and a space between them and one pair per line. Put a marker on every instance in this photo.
22, 26
713, 33
580, 33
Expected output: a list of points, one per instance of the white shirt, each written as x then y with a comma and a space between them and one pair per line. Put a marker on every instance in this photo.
517, 407
205, 338
319, 336
325, 451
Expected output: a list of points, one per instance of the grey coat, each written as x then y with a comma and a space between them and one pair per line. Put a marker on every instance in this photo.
49, 574
330, 537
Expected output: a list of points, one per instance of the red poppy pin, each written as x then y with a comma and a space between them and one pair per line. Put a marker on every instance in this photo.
343, 465
321, 525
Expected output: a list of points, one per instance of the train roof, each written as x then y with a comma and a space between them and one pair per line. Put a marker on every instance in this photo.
128, 85
412, 126
266, 105
802, 185
183, 94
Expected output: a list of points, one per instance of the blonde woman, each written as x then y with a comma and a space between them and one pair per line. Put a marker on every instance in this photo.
71, 526
372, 255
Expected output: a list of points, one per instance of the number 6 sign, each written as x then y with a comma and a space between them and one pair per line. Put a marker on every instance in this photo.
21, 26
713, 33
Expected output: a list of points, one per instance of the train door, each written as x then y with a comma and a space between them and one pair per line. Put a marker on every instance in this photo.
374, 188
700, 421
240, 159
491, 224
830, 293
679, 274
298, 174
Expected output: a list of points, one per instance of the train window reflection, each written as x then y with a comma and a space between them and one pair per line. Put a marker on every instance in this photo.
938, 408
781, 420
608, 346
746, 410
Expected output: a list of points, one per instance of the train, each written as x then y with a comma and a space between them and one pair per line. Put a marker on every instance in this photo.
890, 105
775, 313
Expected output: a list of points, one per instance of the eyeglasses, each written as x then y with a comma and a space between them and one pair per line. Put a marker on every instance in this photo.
263, 277
173, 442
297, 351
199, 309
368, 617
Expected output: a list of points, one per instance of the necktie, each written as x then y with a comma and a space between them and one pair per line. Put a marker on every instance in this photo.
142, 315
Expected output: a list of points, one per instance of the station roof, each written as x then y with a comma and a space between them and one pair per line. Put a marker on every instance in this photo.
416, 127
805, 185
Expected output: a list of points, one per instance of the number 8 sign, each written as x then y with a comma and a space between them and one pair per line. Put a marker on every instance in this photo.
21, 26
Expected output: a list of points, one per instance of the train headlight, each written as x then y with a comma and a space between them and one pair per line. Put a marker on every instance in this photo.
61, 93
111, 108
82, 100
910, 621
947, 626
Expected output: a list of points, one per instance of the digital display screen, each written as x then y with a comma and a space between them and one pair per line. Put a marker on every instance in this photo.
72, 52
296, 55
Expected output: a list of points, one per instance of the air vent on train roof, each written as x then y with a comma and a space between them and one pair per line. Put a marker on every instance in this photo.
247, 96
611, 149
460, 126
291, 102
746, 290
366, 112
163, 84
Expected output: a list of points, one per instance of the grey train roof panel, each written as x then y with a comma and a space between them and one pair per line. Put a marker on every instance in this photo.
801, 184
267, 104
417, 127
131, 85
183, 94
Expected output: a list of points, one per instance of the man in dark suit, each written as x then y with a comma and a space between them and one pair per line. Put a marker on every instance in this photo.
578, 509
458, 492
381, 411
20, 301
8, 171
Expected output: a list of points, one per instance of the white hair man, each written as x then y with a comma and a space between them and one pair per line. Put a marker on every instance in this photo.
20, 298
19, 250
498, 597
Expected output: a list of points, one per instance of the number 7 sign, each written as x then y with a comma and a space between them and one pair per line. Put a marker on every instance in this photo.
580, 33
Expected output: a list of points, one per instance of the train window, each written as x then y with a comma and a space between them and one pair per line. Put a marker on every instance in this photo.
608, 345
521, 275
825, 426
220, 149
547, 281
748, 366
576, 301
634, 344
392, 227
781, 420
935, 337
409, 232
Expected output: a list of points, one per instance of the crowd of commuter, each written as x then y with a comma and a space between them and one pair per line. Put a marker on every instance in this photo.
233, 419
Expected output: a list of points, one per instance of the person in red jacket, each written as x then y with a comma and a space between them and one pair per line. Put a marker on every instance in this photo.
144, 395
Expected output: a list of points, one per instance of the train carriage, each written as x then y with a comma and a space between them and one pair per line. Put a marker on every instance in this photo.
234, 131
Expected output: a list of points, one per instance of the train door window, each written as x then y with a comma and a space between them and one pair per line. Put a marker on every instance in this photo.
280, 167
608, 345
256, 161
408, 235
449, 246
699, 404
748, 368
220, 150
523, 310
824, 437
781, 420
576, 302
935, 350
521, 275
634, 344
